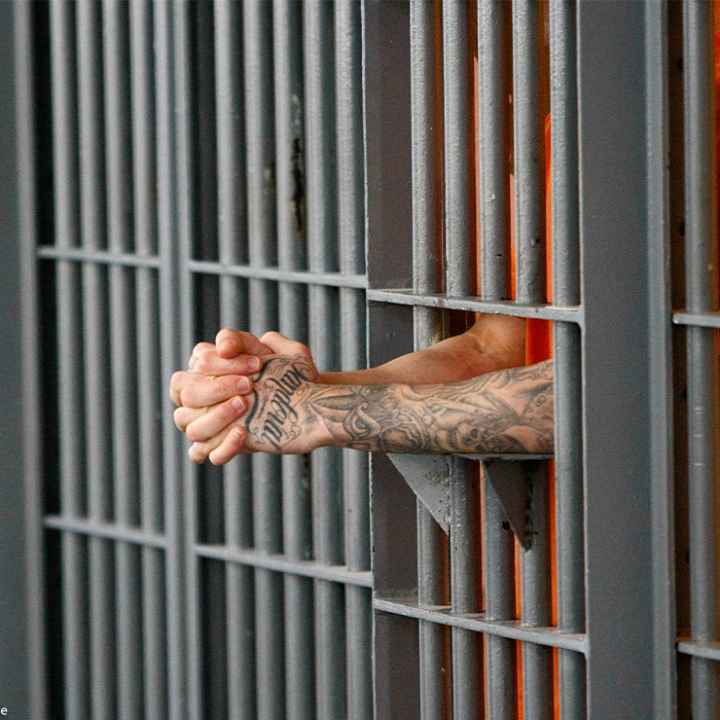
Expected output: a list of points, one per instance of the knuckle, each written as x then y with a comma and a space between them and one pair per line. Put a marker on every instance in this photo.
201, 365
187, 396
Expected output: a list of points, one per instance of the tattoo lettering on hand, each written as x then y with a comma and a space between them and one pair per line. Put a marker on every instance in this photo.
274, 418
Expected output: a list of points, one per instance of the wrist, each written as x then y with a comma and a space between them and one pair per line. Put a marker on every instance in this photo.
318, 433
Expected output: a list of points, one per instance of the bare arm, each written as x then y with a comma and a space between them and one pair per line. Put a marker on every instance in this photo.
494, 342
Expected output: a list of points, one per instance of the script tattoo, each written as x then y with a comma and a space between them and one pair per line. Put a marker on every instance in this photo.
274, 418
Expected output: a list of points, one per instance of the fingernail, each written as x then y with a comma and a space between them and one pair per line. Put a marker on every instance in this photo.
254, 363
238, 404
243, 385
225, 346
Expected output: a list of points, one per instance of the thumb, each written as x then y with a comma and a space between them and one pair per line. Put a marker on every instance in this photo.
231, 343
282, 345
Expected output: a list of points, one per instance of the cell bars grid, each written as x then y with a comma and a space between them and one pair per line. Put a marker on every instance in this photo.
206, 169
479, 669
242, 209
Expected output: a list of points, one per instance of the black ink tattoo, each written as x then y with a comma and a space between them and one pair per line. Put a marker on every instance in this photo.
506, 411
273, 418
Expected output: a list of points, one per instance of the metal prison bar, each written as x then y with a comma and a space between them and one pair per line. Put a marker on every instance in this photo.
261, 164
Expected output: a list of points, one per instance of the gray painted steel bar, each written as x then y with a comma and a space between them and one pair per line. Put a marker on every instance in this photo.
471, 303
528, 153
322, 256
259, 108
699, 319
148, 358
709, 650
660, 356
122, 345
530, 288
288, 565
297, 529
305, 277
479, 623
176, 222
105, 530
33, 455
428, 328
464, 502
494, 227
611, 37
701, 296
69, 314
566, 354
351, 234
232, 240
178, 621
97, 387
493, 152
97, 256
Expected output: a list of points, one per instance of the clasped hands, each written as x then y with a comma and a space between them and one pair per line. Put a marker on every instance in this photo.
245, 394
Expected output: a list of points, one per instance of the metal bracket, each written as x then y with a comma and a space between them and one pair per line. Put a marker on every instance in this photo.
511, 477
429, 478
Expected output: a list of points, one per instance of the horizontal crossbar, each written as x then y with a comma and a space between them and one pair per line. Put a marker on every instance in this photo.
283, 564
98, 256
513, 630
110, 531
305, 277
708, 319
475, 304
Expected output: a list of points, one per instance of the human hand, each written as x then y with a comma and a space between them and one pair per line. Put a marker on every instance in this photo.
237, 353
278, 417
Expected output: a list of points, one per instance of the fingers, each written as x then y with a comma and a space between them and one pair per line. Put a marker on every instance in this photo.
221, 448
198, 391
236, 342
281, 345
208, 362
232, 445
216, 419
184, 416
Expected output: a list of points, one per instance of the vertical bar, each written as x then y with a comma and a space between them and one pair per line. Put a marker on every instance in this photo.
179, 680
464, 525
97, 387
660, 356
148, 358
183, 177
701, 292
69, 315
232, 218
351, 233
257, 49
122, 344
291, 232
530, 288
566, 353
616, 423
20, 495
497, 561
27, 160
528, 153
493, 181
322, 256
428, 328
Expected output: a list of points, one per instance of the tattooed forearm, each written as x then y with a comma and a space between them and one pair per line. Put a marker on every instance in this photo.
504, 411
